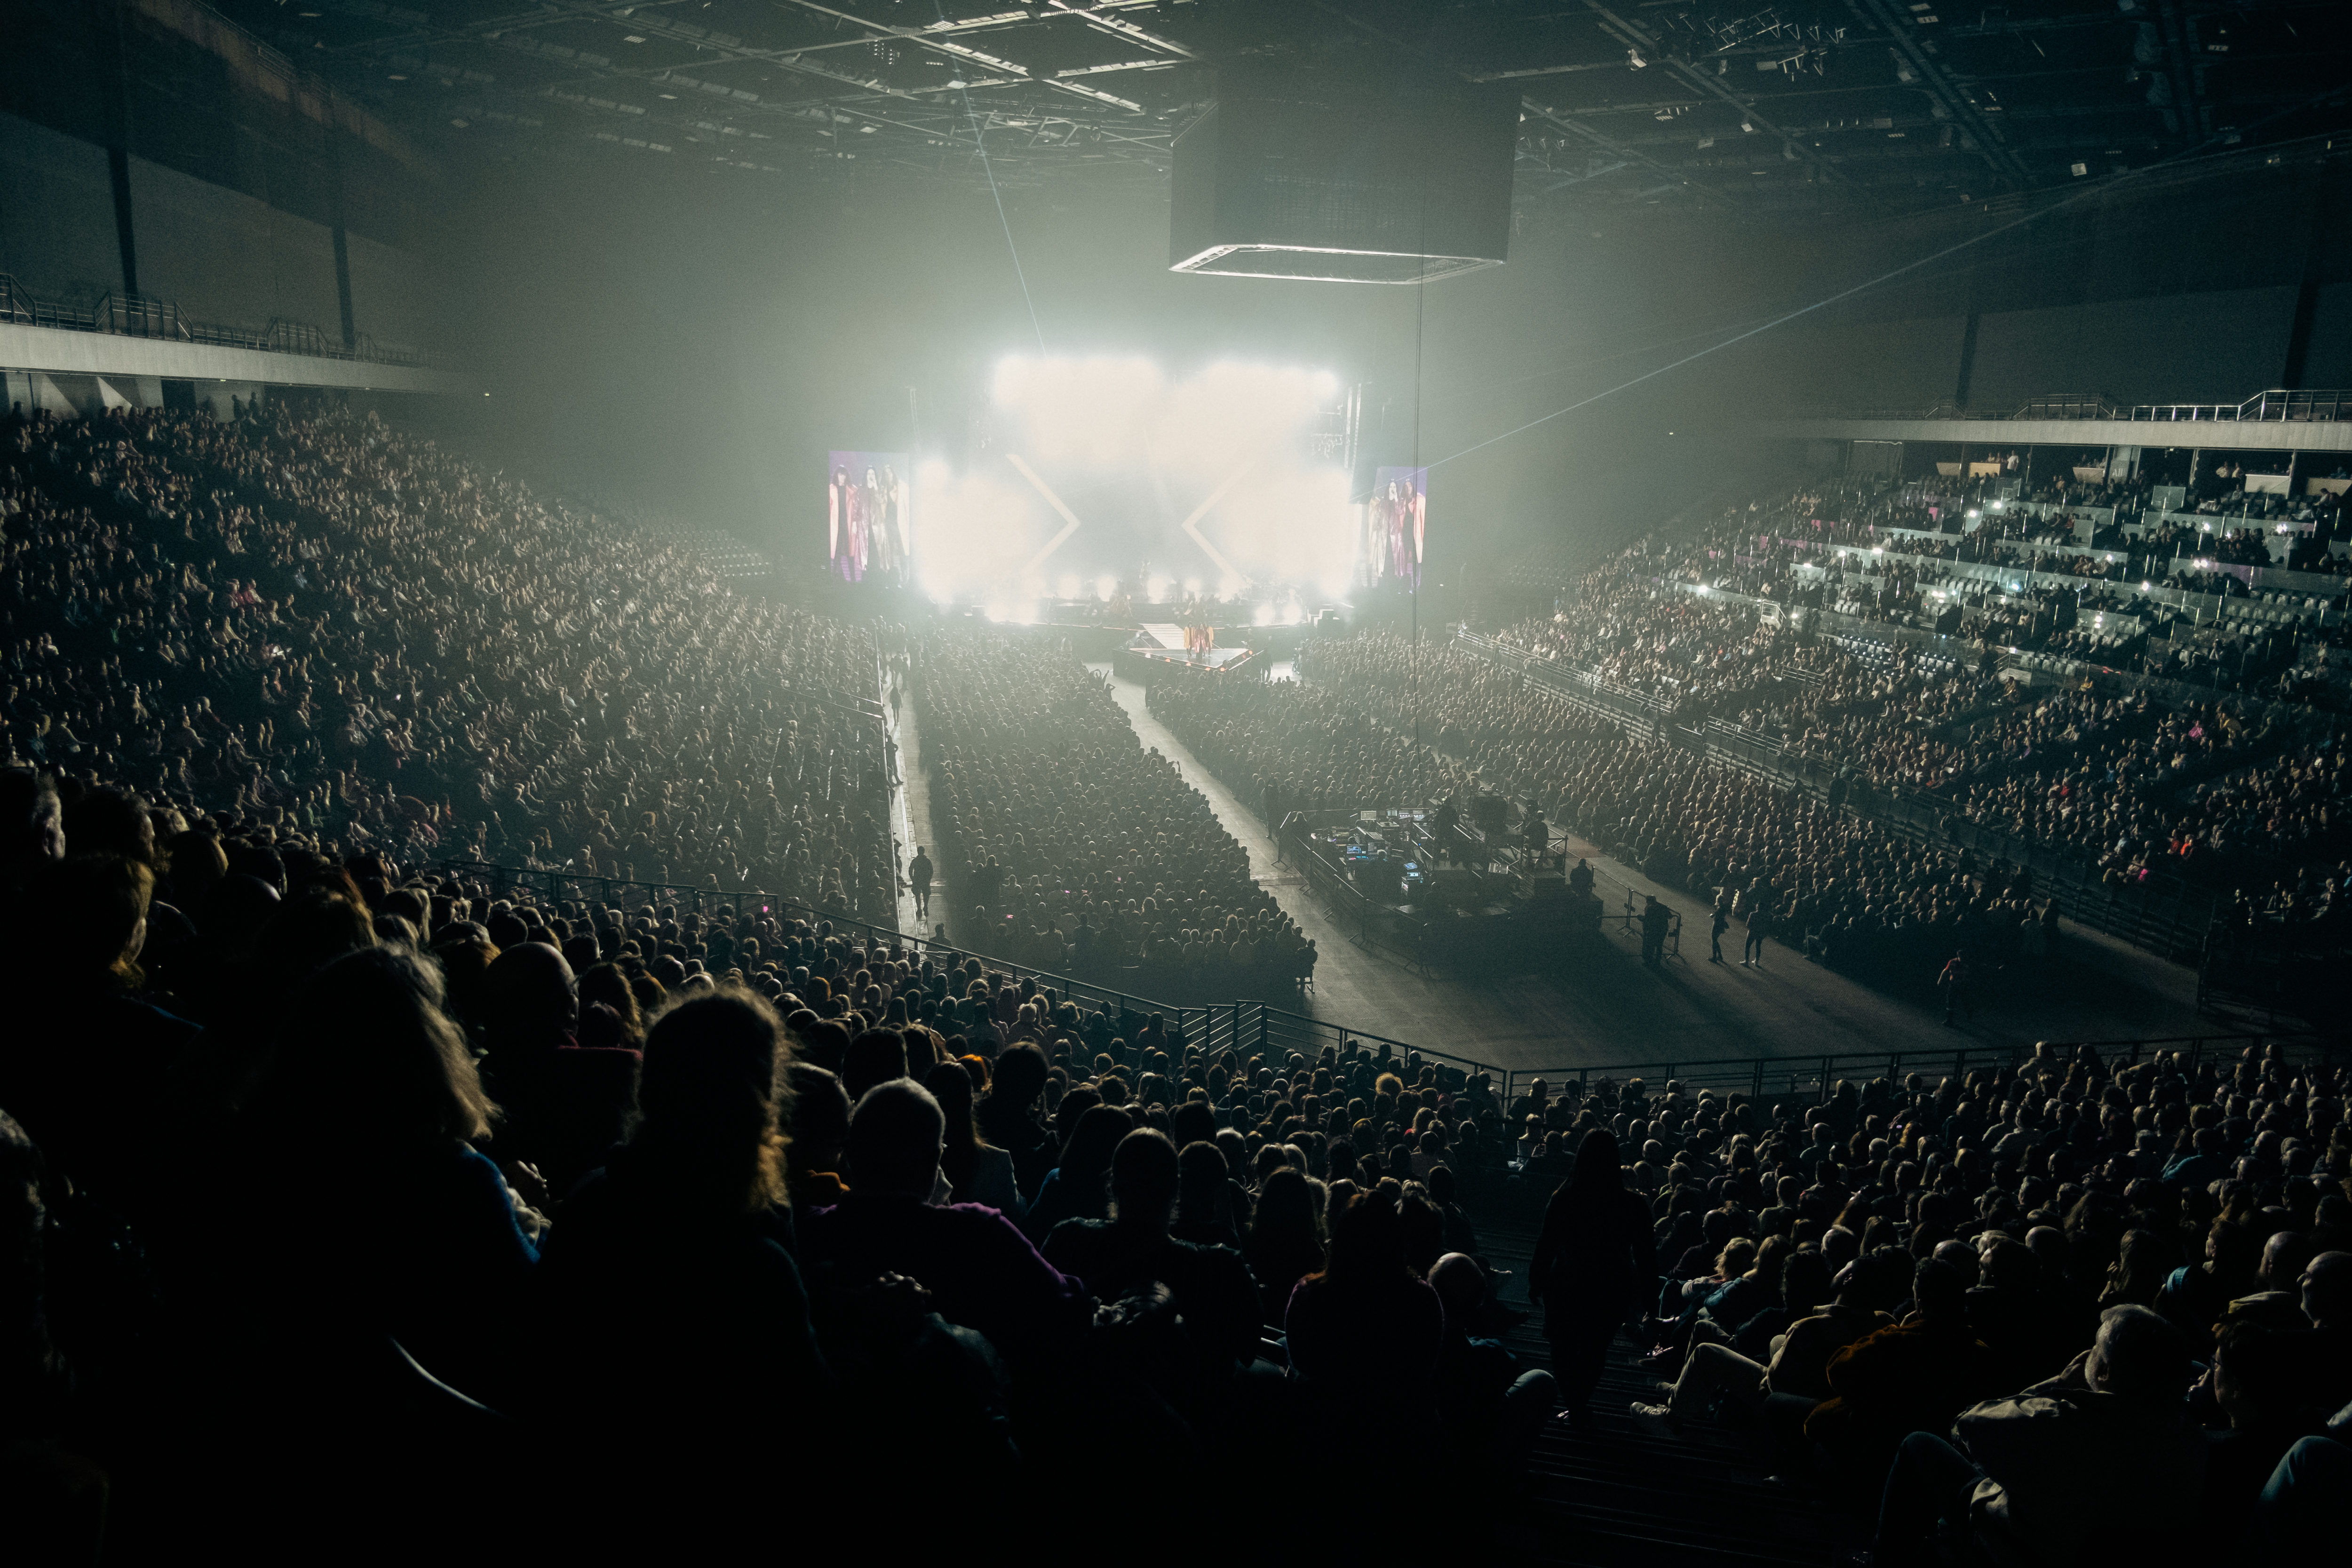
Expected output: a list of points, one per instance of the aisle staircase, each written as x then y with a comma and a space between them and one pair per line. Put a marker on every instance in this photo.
1610, 1495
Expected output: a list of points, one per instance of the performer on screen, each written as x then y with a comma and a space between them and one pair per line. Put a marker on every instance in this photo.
838, 507
1400, 522
876, 556
1420, 524
853, 542
894, 511
1376, 535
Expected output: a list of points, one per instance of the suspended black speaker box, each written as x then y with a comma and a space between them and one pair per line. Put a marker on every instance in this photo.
1344, 176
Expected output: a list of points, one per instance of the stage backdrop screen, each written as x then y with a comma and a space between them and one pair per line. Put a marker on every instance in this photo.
1394, 524
869, 535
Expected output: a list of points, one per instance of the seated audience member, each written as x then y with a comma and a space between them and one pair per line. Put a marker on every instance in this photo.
417, 1234
1007, 1115
2258, 1381
1714, 1366
2326, 1361
84, 1070
1913, 1377
1365, 1332
1286, 1239
1132, 1251
1078, 1186
981, 1272
671, 1300
1205, 1201
2105, 1452
977, 1171
820, 1131
567, 1105
1489, 1406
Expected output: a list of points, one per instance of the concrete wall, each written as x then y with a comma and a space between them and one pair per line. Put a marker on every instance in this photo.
391, 293
56, 213
225, 257
2216, 347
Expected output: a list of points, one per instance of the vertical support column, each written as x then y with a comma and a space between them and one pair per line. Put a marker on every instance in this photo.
117, 150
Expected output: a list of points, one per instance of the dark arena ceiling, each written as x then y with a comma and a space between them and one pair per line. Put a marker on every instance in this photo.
1860, 106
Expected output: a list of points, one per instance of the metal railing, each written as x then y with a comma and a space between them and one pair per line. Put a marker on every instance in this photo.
1249, 1028
148, 316
582, 888
1256, 1028
1817, 1076
2273, 405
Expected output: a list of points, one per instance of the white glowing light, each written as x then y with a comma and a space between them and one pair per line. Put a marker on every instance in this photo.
1105, 587
1191, 585
1155, 588
1068, 585
1265, 617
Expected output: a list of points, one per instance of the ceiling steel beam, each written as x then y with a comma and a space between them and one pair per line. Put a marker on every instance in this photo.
1633, 37
1941, 87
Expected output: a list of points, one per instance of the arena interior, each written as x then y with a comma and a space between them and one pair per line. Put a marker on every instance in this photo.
1400, 778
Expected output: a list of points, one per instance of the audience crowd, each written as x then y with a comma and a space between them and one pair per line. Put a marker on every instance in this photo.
324, 624
2220, 789
1066, 845
355, 1188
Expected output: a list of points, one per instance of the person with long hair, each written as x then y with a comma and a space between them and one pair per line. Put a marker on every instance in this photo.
1364, 1331
85, 1056
1595, 1260
1079, 1186
416, 1234
1286, 1237
673, 1299
977, 1172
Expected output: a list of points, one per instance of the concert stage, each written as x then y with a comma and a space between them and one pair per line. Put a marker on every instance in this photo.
1158, 650
1458, 897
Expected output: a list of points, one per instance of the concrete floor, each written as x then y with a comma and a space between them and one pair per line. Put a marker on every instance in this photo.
1616, 1011
1609, 1010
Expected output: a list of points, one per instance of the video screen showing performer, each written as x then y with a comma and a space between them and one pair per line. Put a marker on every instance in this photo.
869, 532
1395, 525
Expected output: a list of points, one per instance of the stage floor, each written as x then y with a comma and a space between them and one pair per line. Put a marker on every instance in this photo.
1214, 658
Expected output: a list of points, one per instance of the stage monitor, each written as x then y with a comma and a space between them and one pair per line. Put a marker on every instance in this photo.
1344, 176
870, 530
1395, 526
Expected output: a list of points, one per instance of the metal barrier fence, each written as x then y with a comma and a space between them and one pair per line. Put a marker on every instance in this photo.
1254, 1026
1762, 1077
148, 316
577, 887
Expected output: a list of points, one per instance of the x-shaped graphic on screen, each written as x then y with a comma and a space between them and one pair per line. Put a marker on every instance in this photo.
1191, 524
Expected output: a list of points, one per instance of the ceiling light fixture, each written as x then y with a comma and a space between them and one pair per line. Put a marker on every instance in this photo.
1633, 57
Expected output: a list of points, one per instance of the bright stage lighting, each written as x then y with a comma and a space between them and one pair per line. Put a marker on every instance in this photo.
998, 610
1265, 617
1093, 461
1292, 615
